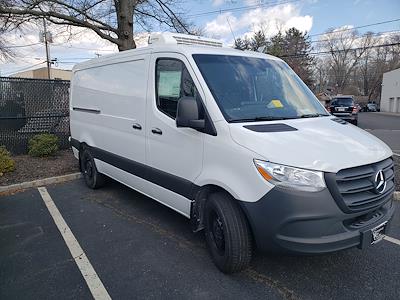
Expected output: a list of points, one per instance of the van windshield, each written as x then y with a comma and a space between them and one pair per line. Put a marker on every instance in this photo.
254, 89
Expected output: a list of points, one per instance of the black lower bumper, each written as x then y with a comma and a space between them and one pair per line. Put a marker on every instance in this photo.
350, 118
310, 223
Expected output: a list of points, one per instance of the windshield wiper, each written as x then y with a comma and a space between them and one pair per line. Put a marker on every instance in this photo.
262, 118
313, 115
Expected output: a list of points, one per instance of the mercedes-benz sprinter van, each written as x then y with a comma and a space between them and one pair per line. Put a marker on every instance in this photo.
234, 141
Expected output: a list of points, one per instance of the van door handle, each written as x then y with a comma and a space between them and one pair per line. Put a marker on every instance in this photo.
137, 126
156, 131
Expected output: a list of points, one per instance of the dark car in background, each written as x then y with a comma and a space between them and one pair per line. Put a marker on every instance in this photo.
344, 107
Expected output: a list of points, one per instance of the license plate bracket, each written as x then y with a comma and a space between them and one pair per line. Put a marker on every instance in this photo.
372, 236
378, 233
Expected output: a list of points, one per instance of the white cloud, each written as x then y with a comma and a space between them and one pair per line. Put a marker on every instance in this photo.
217, 2
303, 23
270, 20
219, 27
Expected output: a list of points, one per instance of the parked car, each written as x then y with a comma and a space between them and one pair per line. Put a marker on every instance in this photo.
372, 107
345, 108
234, 141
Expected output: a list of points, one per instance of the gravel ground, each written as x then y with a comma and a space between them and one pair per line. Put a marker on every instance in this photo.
29, 168
397, 172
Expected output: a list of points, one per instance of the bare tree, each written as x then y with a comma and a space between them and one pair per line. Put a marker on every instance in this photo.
346, 49
112, 20
377, 61
5, 52
321, 74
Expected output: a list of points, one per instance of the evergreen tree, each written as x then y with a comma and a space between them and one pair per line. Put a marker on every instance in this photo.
259, 40
294, 47
242, 44
276, 45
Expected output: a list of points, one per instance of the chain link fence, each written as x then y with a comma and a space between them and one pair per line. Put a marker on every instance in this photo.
32, 106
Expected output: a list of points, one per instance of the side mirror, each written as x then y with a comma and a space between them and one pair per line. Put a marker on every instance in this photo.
187, 114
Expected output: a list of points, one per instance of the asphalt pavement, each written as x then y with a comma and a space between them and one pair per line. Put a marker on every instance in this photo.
141, 249
384, 126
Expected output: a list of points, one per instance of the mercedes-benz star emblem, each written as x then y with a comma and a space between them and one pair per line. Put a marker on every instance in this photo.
380, 182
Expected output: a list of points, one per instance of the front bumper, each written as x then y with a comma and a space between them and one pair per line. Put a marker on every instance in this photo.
310, 223
347, 117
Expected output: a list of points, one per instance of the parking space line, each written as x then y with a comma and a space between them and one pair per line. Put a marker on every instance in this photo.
394, 153
93, 281
392, 240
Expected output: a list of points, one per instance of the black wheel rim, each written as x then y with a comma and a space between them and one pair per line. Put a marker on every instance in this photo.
217, 233
88, 168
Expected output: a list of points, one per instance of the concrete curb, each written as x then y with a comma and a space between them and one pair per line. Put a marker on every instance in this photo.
39, 182
385, 113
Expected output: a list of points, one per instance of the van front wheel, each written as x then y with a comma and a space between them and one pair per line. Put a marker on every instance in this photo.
93, 178
227, 233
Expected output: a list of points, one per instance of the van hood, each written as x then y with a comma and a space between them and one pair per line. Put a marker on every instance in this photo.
315, 143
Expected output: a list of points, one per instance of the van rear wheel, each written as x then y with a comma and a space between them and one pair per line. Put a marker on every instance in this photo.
93, 178
227, 233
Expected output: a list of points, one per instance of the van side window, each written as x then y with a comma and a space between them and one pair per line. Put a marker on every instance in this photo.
173, 81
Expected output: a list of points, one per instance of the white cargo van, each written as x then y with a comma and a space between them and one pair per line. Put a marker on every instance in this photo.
236, 142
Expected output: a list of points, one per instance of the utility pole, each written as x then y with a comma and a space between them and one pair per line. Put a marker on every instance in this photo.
47, 48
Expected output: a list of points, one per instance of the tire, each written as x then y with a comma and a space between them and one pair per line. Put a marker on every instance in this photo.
93, 178
228, 234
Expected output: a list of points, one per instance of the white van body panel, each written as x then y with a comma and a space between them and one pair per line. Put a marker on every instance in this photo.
225, 160
318, 144
222, 160
117, 92
170, 199
178, 151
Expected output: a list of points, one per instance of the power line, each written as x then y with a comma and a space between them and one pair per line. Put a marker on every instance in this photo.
25, 68
341, 50
82, 48
21, 46
374, 34
247, 7
357, 27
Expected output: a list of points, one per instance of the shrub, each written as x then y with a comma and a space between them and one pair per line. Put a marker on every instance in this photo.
43, 145
7, 164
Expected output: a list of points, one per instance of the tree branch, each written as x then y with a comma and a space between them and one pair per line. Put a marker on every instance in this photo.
70, 20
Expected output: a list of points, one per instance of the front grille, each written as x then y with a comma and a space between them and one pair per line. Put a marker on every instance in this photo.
366, 220
354, 188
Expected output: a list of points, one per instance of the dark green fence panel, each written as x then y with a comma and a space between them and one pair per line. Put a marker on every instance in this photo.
32, 106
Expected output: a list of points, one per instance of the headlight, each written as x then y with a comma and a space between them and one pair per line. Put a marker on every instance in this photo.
290, 177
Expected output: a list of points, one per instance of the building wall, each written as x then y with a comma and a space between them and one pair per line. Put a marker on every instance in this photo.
390, 99
41, 73
26, 74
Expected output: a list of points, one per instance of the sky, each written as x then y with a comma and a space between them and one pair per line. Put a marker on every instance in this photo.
221, 19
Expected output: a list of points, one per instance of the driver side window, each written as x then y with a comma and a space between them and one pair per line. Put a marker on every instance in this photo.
173, 82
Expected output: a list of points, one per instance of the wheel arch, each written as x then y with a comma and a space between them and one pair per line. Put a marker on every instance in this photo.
198, 206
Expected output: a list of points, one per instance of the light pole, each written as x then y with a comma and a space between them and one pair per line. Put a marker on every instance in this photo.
46, 43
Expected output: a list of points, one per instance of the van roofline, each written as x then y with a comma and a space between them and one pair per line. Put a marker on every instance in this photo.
187, 50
